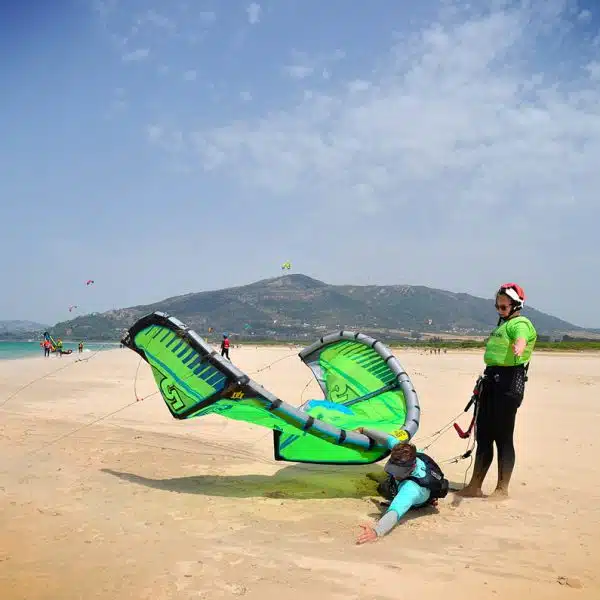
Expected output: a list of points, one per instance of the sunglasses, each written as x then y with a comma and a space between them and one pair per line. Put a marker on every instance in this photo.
502, 306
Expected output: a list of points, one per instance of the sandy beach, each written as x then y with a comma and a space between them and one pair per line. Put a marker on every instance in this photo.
138, 505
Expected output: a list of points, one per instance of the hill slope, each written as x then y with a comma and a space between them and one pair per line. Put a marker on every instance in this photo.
299, 306
20, 328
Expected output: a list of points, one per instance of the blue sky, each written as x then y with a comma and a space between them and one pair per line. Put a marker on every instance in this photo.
166, 147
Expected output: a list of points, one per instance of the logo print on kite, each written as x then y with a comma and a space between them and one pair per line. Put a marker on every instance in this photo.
339, 395
171, 394
352, 368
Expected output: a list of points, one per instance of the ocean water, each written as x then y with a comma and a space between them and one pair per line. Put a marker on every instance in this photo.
12, 350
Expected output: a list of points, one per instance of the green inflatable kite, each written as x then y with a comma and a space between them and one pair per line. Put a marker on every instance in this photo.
363, 383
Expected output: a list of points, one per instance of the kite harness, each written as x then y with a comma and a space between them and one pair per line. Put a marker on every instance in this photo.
476, 399
433, 480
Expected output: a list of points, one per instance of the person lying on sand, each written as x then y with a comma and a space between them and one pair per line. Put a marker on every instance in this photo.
414, 480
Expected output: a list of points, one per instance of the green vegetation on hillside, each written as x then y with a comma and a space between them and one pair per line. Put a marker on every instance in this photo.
299, 309
557, 346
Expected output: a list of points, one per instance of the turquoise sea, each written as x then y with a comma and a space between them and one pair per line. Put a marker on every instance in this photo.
11, 350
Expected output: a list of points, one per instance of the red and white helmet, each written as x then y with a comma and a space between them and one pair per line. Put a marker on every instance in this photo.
515, 293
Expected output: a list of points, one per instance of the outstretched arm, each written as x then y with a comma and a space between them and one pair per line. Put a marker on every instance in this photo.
410, 494
519, 332
519, 346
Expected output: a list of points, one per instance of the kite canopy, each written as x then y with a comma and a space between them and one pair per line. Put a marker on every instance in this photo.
364, 386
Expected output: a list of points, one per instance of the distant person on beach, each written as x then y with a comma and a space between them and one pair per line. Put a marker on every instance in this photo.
80, 347
507, 354
59, 347
225, 346
412, 480
47, 346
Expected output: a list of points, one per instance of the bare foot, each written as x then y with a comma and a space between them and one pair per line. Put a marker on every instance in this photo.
470, 492
499, 494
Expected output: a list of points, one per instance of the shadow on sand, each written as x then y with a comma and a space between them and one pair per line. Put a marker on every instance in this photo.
296, 482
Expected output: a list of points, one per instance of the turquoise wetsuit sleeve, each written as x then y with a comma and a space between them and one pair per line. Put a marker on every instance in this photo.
409, 494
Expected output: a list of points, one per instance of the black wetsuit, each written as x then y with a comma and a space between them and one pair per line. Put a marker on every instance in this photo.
501, 395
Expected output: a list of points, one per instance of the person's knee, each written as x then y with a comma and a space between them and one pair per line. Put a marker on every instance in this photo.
506, 447
485, 454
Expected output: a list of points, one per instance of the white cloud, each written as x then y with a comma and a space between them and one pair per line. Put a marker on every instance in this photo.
253, 10
136, 55
190, 75
465, 153
104, 7
159, 20
298, 71
171, 141
358, 85
154, 133
455, 117
304, 65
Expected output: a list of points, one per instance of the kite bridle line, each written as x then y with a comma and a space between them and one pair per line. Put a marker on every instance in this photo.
61, 368
469, 434
114, 412
470, 443
183, 334
84, 426
263, 368
230, 388
436, 435
268, 366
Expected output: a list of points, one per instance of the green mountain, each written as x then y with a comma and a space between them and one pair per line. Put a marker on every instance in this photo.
17, 330
297, 306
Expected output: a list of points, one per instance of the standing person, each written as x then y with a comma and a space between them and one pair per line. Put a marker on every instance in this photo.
225, 346
46, 347
507, 354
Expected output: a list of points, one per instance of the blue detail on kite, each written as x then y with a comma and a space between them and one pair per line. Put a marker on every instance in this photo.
329, 405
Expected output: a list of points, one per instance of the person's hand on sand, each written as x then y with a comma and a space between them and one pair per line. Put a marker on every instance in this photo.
368, 535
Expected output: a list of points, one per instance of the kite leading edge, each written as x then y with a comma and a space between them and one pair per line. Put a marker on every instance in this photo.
364, 385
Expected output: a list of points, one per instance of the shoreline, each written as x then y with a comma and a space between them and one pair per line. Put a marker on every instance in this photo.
398, 351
